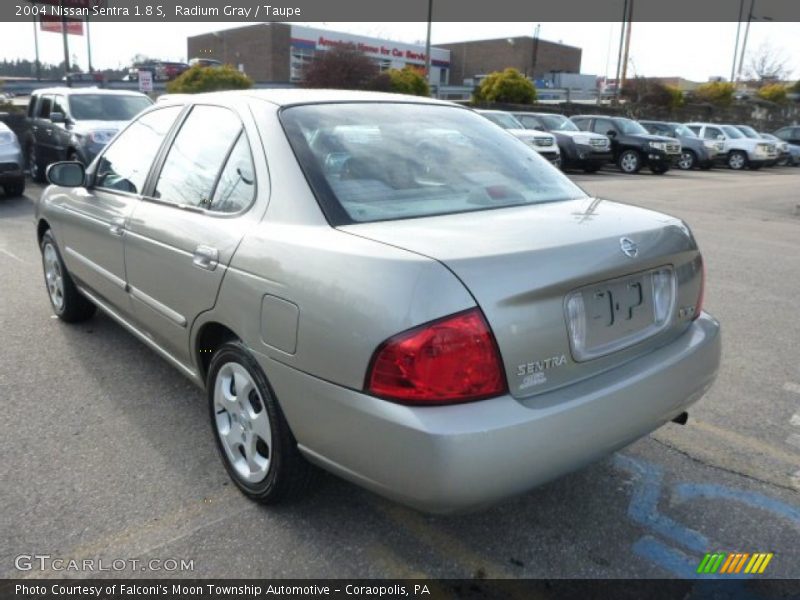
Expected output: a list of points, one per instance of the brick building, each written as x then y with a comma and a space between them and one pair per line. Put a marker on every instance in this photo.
471, 60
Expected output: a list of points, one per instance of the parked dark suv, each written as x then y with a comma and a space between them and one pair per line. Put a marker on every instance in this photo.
789, 134
75, 124
694, 151
579, 149
631, 144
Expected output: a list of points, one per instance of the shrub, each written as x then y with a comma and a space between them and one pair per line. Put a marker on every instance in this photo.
715, 92
506, 86
408, 81
200, 79
774, 92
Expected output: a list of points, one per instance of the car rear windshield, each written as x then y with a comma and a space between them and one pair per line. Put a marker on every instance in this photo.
106, 107
386, 161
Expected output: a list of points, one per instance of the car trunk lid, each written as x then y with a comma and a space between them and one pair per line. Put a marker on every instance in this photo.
521, 264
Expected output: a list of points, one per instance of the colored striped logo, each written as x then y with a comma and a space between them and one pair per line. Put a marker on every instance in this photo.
734, 562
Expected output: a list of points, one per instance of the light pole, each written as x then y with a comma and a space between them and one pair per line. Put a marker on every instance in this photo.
428, 43
736, 45
750, 17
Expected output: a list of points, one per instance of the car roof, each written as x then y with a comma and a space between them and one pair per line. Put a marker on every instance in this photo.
294, 96
599, 116
85, 90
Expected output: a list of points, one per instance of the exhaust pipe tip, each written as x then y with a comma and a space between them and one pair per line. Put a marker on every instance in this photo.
682, 418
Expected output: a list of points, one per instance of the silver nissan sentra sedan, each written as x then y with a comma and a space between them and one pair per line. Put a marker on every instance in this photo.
391, 288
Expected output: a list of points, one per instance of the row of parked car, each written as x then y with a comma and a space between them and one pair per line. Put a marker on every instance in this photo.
76, 123
589, 142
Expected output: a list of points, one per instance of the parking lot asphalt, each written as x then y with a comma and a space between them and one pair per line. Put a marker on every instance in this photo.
107, 452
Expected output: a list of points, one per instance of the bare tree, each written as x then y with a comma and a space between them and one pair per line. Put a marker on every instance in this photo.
768, 63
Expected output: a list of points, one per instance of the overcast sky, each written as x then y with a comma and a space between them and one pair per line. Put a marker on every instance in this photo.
693, 50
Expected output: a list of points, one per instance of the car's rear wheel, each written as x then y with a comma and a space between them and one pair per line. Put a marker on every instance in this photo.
15, 189
630, 162
687, 161
737, 160
252, 435
35, 166
67, 302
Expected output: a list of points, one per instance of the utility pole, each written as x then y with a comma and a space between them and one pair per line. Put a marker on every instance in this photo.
66, 45
736, 45
627, 45
36, 46
744, 42
89, 46
621, 42
428, 43
535, 50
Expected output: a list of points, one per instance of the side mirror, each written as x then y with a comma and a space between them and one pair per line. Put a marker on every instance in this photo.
58, 117
611, 133
66, 174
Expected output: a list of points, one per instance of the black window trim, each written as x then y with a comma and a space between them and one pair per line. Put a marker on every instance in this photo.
161, 158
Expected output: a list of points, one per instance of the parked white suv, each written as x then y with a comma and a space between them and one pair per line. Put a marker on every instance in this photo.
739, 151
544, 143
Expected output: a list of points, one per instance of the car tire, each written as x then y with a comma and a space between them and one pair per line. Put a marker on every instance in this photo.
252, 436
659, 170
630, 162
35, 167
737, 160
687, 160
15, 189
68, 303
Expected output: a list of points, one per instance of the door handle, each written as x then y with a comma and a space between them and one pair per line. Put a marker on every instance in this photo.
205, 257
117, 226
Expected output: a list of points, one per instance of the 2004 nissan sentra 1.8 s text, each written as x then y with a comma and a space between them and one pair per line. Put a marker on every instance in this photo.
394, 289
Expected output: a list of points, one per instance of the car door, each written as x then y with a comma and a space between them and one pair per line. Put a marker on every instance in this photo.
43, 129
94, 218
60, 134
714, 133
182, 236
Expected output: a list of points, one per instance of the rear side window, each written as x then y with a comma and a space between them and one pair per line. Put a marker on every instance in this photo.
237, 184
126, 163
197, 155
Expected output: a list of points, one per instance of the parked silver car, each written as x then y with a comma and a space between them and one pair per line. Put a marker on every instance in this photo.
544, 143
12, 173
446, 328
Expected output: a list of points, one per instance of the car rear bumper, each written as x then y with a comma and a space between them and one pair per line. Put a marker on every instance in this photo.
455, 458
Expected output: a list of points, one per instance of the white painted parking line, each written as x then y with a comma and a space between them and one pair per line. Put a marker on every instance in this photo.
792, 387
14, 256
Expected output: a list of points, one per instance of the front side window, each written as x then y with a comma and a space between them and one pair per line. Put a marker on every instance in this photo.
630, 127
684, 131
58, 105
558, 123
583, 124
386, 161
45, 107
125, 164
712, 133
197, 155
530, 121
603, 126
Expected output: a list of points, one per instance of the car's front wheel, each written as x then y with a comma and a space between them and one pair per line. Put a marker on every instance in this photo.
67, 302
687, 161
737, 160
253, 438
630, 162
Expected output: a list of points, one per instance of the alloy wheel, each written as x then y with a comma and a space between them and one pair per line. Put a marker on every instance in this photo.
242, 422
54, 277
736, 161
686, 161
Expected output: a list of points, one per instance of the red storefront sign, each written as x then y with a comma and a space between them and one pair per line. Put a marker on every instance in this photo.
57, 24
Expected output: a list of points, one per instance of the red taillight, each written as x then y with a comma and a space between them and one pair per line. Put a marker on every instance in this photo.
451, 360
699, 306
